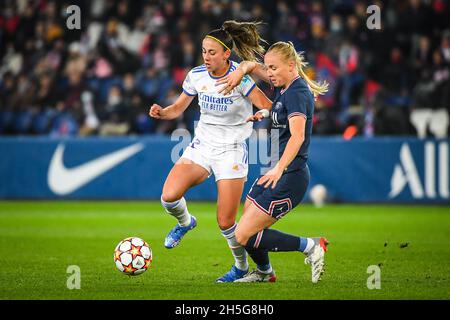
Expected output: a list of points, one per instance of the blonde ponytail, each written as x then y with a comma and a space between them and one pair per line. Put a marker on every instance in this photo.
287, 50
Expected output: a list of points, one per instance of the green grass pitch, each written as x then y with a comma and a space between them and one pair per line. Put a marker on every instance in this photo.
39, 240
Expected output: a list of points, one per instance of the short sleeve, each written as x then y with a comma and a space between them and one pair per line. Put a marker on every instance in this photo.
247, 85
188, 86
298, 103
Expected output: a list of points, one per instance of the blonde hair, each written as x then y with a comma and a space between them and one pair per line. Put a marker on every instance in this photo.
288, 52
242, 37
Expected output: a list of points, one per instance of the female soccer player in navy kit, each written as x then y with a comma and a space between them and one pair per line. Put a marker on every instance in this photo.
283, 187
219, 146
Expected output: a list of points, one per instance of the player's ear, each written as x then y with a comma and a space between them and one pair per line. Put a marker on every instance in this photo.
292, 65
227, 54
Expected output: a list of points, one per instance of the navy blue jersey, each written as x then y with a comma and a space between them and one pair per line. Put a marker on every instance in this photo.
297, 100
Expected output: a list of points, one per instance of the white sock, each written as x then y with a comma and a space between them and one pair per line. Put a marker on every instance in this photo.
309, 245
179, 210
238, 251
266, 271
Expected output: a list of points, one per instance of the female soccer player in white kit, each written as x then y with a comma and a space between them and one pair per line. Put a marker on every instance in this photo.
219, 146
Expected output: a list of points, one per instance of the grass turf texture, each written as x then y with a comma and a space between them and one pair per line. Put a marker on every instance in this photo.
39, 240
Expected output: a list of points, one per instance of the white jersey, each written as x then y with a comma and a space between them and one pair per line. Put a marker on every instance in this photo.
222, 118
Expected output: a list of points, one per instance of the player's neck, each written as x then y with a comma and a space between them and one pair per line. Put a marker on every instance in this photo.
288, 84
222, 71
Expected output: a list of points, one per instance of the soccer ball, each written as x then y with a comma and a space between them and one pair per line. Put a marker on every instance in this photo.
133, 256
318, 195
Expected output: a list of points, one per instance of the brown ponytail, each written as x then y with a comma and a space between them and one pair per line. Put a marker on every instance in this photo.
242, 37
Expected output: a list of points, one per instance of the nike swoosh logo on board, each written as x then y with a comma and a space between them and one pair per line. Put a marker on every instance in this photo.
63, 181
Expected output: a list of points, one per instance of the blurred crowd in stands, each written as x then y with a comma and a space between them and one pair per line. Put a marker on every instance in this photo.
102, 78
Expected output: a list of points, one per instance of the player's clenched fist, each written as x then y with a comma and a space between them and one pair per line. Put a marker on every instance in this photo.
155, 111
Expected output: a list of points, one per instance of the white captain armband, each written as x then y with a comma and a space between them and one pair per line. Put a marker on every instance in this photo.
265, 113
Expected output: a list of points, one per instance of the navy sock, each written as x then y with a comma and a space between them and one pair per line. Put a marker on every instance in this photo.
273, 240
264, 267
260, 257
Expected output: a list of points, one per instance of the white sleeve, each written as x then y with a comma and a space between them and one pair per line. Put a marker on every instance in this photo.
188, 86
247, 85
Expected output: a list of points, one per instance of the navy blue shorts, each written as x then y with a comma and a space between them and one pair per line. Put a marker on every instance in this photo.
288, 193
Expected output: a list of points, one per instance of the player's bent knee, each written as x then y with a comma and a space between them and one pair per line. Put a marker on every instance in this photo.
171, 196
225, 221
225, 224
241, 238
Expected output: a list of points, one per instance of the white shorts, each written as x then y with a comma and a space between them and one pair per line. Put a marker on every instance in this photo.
228, 162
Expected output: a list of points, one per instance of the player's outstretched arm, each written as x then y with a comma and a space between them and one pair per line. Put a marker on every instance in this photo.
173, 111
233, 79
259, 99
258, 70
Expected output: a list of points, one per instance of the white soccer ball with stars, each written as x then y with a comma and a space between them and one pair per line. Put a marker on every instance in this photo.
133, 256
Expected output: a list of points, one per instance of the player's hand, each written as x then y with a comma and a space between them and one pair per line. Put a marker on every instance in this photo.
230, 81
255, 117
155, 111
258, 116
271, 177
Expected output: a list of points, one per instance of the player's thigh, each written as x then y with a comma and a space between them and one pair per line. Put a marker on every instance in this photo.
252, 193
229, 193
253, 221
247, 203
184, 174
